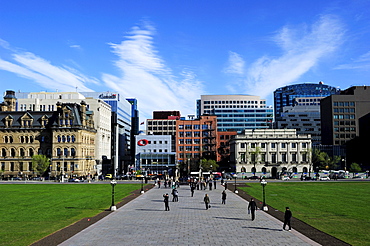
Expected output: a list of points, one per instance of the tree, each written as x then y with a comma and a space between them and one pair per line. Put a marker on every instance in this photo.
355, 167
256, 154
40, 163
207, 164
322, 160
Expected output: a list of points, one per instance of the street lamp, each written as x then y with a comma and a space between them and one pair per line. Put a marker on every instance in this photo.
142, 184
264, 183
113, 183
235, 190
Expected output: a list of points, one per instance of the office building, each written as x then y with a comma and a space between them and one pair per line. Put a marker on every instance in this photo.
340, 114
286, 96
236, 112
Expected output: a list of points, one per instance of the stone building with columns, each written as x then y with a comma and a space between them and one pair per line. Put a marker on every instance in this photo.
66, 136
270, 152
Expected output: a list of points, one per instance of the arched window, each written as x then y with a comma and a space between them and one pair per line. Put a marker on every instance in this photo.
264, 170
73, 139
22, 152
294, 170
31, 139
65, 152
73, 152
22, 139
6, 139
30, 151
305, 169
3, 152
10, 139
26, 139
12, 152
63, 139
253, 170
59, 152
58, 139
68, 139
243, 170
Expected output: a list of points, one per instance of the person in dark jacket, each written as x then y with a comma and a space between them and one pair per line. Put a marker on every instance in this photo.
206, 200
252, 208
166, 197
287, 217
223, 197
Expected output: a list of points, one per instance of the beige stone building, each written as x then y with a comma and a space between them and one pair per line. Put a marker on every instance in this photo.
66, 136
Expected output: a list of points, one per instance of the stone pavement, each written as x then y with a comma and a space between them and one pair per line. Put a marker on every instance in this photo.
143, 221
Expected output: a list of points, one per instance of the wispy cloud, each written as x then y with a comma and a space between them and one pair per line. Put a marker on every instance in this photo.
302, 50
235, 64
145, 76
362, 62
47, 75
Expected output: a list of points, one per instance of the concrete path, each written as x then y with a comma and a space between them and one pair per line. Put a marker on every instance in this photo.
143, 221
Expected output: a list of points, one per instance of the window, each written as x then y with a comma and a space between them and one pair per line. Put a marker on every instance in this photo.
283, 145
273, 146
273, 157
242, 145
189, 148
283, 157
263, 145
294, 145
304, 145
294, 157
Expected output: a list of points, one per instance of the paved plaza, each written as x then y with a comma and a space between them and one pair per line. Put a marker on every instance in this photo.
143, 221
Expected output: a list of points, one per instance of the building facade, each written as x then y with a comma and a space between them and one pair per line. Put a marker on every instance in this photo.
196, 138
154, 155
46, 101
304, 116
286, 96
271, 152
66, 136
236, 112
340, 114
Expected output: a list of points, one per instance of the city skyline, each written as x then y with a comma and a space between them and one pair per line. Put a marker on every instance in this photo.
168, 54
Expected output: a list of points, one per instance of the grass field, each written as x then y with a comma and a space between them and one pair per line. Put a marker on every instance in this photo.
340, 209
31, 211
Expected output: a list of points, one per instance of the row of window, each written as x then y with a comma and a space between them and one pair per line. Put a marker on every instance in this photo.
65, 139
158, 142
160, 128
343, 104
273, 145
344, 110
344, 116
274, 157
164, 122
31, 152
234, 102
26, 167
195, 127
194, 134
344, 123
344, 135
233, 106
344, 129
155, 150
193, 148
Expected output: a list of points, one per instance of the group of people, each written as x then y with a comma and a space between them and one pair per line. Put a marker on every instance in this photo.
252, 206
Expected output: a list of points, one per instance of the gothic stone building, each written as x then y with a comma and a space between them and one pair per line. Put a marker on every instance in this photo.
66, 136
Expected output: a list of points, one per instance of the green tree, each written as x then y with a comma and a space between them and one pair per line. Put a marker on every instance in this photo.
323, 161
355, 167
40, 163
207, 164
256, 154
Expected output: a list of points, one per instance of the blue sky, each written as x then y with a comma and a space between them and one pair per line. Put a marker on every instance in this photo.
168, 53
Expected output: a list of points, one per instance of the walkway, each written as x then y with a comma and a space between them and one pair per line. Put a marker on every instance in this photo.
143, 221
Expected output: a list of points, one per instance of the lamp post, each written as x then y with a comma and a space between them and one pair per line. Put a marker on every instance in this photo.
142, 183
264, 183
235, 190
113, 183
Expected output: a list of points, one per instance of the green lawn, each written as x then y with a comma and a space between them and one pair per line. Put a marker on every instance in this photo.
30, 212
340, 209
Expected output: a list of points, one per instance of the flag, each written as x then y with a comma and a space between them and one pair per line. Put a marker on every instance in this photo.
142, 123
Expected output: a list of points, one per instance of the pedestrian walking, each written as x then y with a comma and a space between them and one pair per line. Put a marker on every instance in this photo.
159, 184
207, 201
252, 206
223, 197
225, 185
210, 184
192, 190
165, 199
175, 195
214, 184
287, 217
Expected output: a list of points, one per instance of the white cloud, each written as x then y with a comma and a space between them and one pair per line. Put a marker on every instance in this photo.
145, 76
235, 64
362, 62
302, 50
30, 66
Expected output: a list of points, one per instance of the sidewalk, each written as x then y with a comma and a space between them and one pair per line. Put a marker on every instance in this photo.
143, 221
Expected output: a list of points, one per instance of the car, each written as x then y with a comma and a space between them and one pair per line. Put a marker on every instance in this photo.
109, 176
285, 178
324, 178
74, 180
254, 177
16, 178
